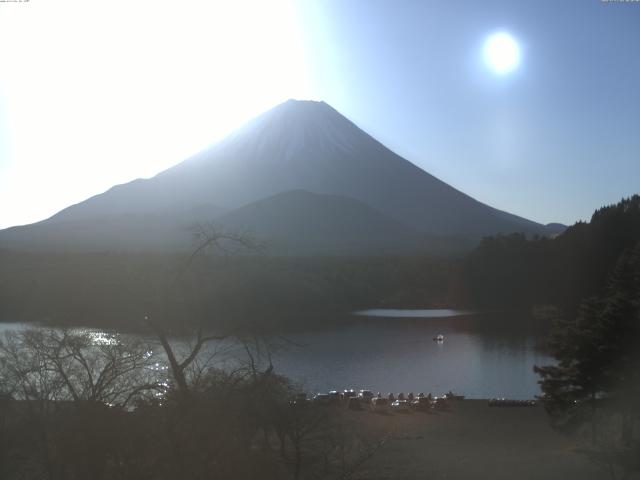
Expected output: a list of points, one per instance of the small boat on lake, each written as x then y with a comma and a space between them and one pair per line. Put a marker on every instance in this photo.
438, 338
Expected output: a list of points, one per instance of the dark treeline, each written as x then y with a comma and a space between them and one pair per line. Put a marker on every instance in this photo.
593, 391
589, 278
261, 291
516, 272
118, 290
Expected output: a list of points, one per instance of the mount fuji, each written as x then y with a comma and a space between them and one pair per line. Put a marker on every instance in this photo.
302, 177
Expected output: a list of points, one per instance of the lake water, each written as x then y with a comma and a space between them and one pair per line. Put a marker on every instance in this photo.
412, 313
393, 351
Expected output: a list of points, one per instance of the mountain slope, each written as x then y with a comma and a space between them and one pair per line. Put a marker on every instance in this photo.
151, 231
289, 223
300, 222
300, 145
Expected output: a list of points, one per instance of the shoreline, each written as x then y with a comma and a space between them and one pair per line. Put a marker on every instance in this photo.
470, 441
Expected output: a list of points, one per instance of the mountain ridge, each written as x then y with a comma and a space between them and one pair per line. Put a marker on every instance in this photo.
302, 145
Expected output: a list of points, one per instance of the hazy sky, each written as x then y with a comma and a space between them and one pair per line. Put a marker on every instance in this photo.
94, 93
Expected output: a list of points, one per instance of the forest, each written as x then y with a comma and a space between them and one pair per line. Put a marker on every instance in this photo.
512, 271
257, 291
254, 291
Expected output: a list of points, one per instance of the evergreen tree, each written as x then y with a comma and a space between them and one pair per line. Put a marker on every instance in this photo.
597, 352
513, 271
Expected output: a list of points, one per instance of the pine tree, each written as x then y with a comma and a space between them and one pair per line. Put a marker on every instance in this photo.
597, 352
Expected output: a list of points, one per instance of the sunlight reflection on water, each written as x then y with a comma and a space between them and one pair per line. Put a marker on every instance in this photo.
393, 350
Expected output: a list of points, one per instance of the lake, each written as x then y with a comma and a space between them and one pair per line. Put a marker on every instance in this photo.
393, 351
482, 356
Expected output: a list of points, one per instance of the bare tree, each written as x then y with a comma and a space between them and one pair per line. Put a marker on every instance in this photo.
207, 238
69, 390
47, 364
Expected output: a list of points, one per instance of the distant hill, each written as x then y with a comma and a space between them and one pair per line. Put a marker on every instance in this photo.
137, 231
304, 223
554, 229
364, 192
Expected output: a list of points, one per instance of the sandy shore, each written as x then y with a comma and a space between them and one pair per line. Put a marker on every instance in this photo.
471, 441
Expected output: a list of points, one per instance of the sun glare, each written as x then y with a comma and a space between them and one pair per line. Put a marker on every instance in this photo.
136, 88
502, 53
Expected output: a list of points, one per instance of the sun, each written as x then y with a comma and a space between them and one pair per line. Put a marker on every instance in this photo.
501, 53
